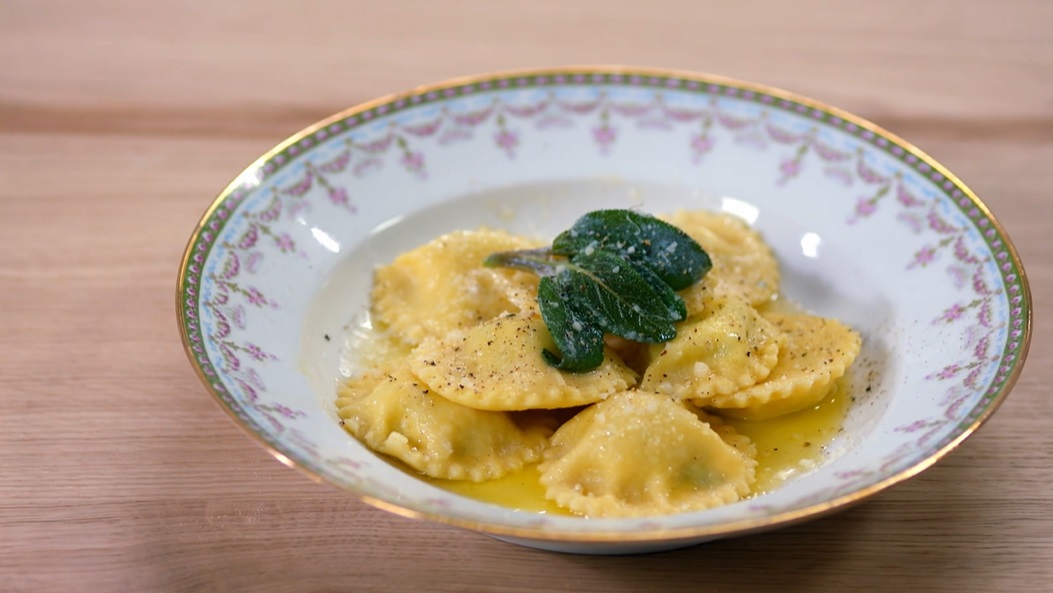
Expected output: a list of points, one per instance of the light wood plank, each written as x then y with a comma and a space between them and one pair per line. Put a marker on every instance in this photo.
120, 121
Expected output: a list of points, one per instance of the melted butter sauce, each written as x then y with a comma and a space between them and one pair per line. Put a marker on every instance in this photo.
521, 491
787, 446
794, 444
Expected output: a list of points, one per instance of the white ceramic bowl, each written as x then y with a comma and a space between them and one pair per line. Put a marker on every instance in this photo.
868, 229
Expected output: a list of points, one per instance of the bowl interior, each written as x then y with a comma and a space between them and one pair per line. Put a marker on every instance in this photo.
867, 228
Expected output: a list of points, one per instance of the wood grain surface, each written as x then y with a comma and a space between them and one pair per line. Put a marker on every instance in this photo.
120, 121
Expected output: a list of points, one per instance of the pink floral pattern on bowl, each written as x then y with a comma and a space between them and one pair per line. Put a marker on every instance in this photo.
942, 359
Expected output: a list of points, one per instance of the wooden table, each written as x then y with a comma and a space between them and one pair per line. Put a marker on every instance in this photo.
120, 121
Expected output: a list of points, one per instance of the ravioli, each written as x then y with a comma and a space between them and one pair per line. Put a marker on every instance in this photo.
743, 264
399, 416
726, 349
640, 454
458, 388
727, 433
355, 388
443, 285
497, 365
818, 351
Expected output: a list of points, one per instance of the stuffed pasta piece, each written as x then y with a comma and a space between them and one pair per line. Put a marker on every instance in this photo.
395, 413
497, 365
640, 454
728, 347
744, 266
443, 286
817, 352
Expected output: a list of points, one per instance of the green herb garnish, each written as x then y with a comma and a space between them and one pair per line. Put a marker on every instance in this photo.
613, 272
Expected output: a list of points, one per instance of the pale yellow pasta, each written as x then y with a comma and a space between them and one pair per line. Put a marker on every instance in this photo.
729, 347
727, 433
497, 365
355, 388
743, 263
442, 286
639, 454
818, 351
402, 418
459, 388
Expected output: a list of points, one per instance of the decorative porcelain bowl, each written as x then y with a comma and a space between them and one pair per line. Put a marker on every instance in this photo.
867, 228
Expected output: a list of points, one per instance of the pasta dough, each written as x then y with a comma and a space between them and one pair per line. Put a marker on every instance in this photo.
726, 349
638, 454
743, 264
497, 365
461, 391
443, 286
818, 351
401, 417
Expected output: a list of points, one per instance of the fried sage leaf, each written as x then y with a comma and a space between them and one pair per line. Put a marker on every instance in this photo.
614, 272
640, 238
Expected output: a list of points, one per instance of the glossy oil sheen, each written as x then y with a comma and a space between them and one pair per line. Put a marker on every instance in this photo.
787, 446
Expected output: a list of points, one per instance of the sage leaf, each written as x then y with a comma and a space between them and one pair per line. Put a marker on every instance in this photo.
579, 339
667, 297
539, 261
613, 272
641, 238
618, 297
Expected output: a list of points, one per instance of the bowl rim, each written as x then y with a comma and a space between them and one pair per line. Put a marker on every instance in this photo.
699, 532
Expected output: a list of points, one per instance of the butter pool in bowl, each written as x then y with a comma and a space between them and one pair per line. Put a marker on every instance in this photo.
274, 290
